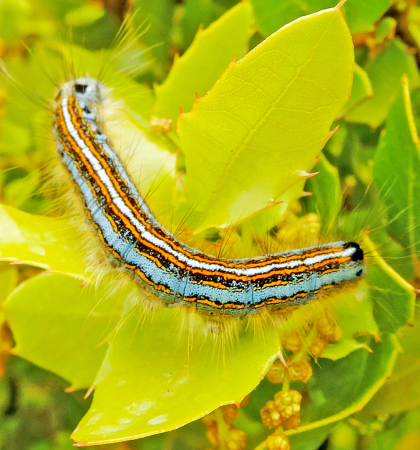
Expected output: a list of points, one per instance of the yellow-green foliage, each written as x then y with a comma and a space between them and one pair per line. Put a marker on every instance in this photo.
231, 165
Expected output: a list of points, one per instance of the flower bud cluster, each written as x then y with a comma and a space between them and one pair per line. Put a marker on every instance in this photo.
277, 441
232, 437
284, 410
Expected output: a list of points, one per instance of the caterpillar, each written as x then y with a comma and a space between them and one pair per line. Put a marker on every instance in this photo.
174, 271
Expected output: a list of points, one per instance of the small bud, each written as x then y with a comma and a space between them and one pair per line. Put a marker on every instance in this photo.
300, 371
278, 441
270, 416
160, 125
292, 341
213, 435
276, 373
236, 440
230, 413
317, 347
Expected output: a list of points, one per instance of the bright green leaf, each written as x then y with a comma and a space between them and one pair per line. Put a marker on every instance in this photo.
14, 140
397, 171
196, 14
61, 326
386, 29
19, 190
310, 440
393, 297
158, 17
360, 14
277, 103
40, 241
272, 14
414, 22
402, 391
385, 72
337, 390
84, 15
158, 376
354, 316
361, 90
8, 280
202, 64
401, 432
326, 189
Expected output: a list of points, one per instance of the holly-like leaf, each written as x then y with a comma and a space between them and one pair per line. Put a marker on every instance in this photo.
159, 375
270, 112
354, 316
336, 390
40, 241
385, 72
397, 171
393, 297
326, 196
402, 391
360, 15
361, 90
201, 65
62, 326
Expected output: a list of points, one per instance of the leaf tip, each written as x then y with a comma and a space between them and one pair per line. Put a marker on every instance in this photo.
89, 391
305, 174
340, 4
334, 130
306, 194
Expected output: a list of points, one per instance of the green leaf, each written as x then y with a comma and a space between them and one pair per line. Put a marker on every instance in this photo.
84, 15
326, 189
337, 390
272, 14
310, 440
159, 375
61, 326
386, 29
19, 190
361, 15
393, 297
402, 391
8, 280
278, 102
400, 432
40, 241
397, 171
158, 17
354, 316
15, 139
361, 90
196, 14
202, 64
385, 72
